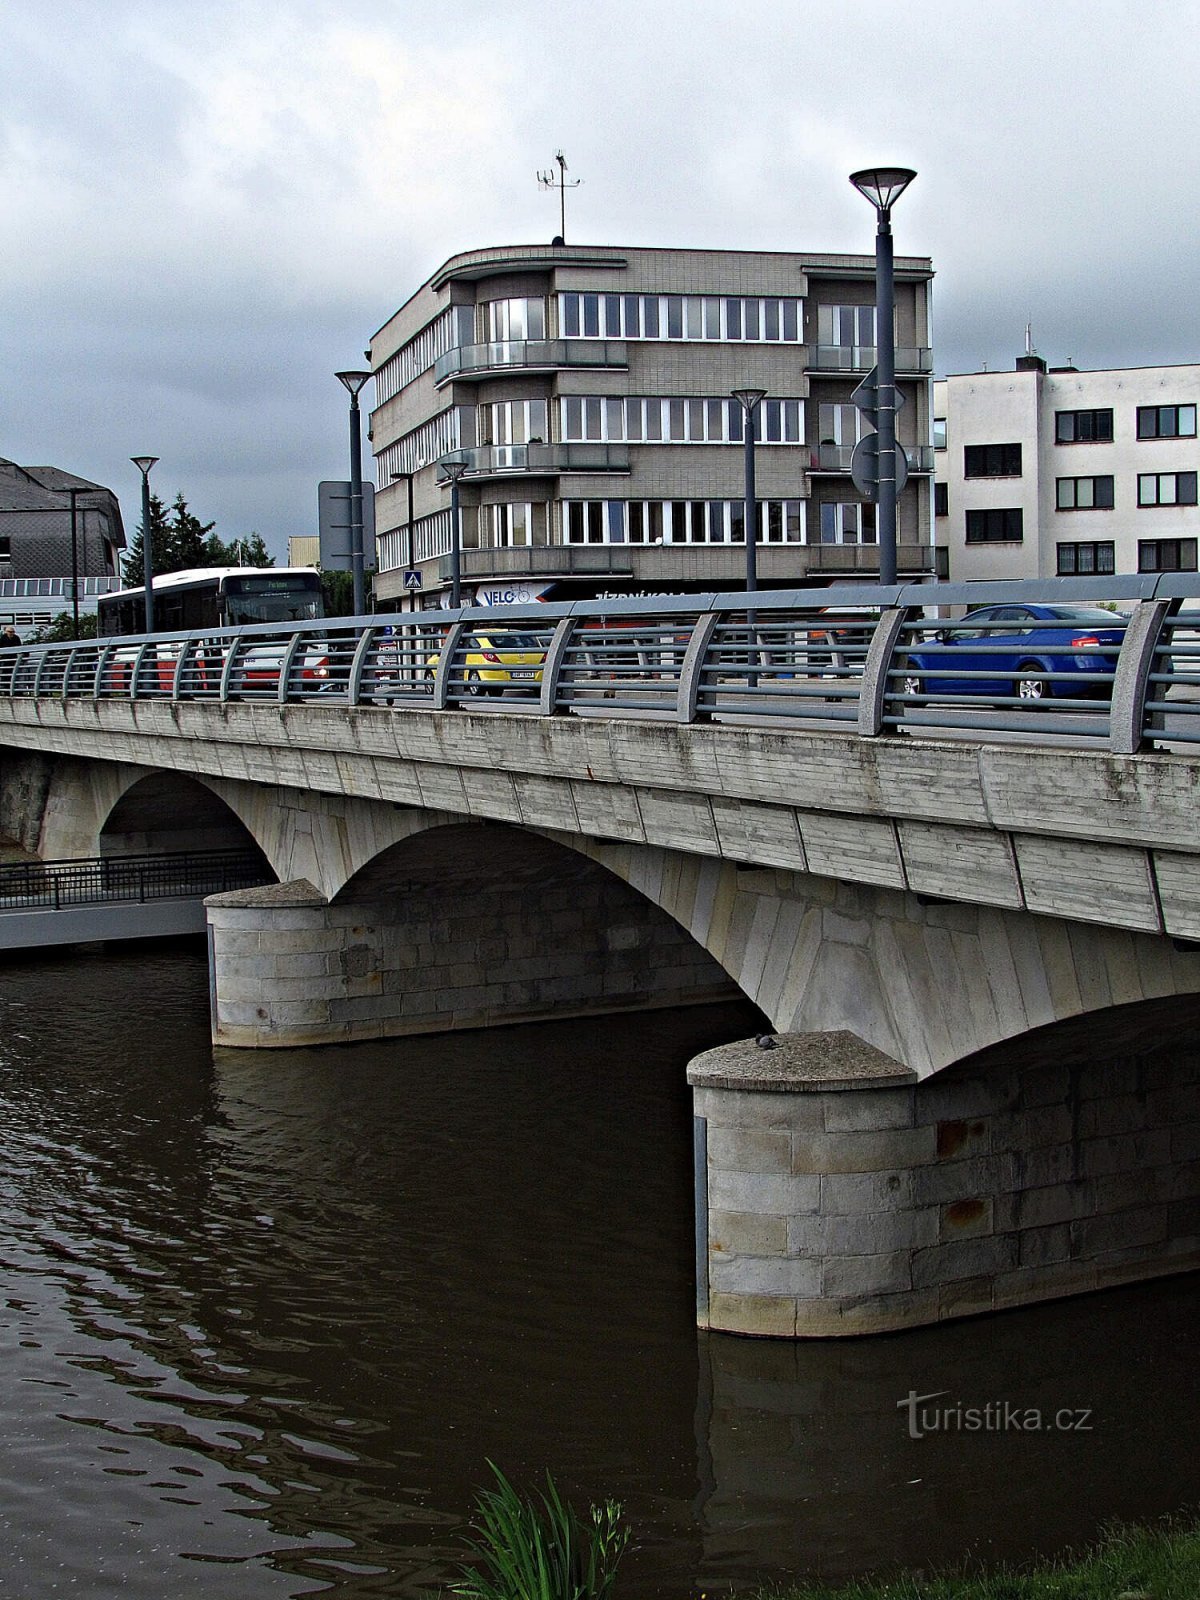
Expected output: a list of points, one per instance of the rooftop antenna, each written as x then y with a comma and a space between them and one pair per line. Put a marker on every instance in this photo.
1029, 339
562, 184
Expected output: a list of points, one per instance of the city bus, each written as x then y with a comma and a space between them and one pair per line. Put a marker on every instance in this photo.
214, 597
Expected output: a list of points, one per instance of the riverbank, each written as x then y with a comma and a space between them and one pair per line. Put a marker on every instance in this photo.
1156, 1563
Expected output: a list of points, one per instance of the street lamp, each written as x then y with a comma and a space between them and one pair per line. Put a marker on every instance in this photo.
750, 400
143, 464
354, 382
883, 186
407, 477
452, 471
73, 492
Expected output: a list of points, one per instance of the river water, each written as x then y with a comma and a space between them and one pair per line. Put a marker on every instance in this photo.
267, 1316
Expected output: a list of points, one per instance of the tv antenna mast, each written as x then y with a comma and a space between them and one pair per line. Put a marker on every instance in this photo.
562, 184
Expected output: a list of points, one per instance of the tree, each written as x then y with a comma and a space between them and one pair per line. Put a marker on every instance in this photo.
61, 629
162, 546
248, 551
337, 591
191, 539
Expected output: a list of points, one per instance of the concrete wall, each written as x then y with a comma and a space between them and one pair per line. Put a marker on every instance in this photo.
844, 1198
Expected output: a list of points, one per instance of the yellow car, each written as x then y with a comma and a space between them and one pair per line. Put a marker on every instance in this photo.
494, 661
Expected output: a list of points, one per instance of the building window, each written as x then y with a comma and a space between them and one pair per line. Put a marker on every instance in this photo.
1166, 422
1078, 560
431, 537
6, 547
1084, 494
1166, 555
453, 327
422, 446
514, 422
660, 421
992, 461
848, 522
505, 527
1083, 427
997, 525
1166, 488
706, 318
941, 500
846, 327
515, 319
660, 522
939, 433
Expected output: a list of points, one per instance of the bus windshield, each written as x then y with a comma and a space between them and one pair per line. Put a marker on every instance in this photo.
292, 598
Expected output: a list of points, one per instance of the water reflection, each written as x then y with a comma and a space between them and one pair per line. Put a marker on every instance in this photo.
268, 1315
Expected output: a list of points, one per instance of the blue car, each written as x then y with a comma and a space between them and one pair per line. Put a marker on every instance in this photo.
1016, 650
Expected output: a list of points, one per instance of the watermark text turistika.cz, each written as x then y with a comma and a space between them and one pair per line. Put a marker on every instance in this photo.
997, 1416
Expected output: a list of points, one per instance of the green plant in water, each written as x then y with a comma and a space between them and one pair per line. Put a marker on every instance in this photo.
539, 1548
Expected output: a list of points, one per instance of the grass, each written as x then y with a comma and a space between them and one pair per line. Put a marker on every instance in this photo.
1161, 1562
540, 1548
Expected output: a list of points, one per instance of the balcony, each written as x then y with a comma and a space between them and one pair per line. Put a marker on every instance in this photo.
702, 566
834, 459
910, 359
501, 460
474, 362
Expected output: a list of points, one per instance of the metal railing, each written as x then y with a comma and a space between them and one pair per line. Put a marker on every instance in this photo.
467, 360
99, 880
870, 659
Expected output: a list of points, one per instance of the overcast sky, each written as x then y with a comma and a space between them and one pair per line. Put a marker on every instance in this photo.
207, 208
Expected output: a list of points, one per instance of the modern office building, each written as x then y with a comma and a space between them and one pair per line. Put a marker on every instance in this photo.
40, 559
589, 391
1052, 470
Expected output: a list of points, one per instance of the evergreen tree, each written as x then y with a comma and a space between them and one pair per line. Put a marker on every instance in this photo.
162, 546
249, 551
191, 539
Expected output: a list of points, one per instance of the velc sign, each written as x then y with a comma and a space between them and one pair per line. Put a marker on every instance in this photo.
510, 594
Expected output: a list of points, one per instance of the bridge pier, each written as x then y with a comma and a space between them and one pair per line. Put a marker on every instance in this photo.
289, 967
839, 1195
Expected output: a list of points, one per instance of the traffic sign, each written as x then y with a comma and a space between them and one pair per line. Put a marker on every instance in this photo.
412, 579
866, 397
864, 466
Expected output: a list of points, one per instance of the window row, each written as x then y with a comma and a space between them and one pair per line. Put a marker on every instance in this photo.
420, 447
453, 327
1097, 493
679, 522
758, 319
629, 419
1099, 556
431, 537
1096, 426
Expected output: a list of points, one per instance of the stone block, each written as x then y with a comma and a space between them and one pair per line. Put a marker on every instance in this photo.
1124, 1152
942, 1099
970, 1298
876, 1313
965, 1219
742, 1233
1040, 1247
858, 1192
1034, 1127
783, 1276
749, 1150
1058, 1202
965, 1258
867, 1275
1027, 1285
977, 1177
868, 1110
733, 1108
1118, 1114
882, 1151
856, 1234
1140, 1227
770, 1194
767, 1317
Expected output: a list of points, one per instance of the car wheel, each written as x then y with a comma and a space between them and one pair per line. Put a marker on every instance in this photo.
1032, 688
427, 683
474, 686
913, 686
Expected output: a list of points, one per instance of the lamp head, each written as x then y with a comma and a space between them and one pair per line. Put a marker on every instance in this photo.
143, 464
749, 398
452, 469
882, 186
354, 381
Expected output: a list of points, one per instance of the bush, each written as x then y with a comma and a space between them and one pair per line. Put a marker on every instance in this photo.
539, 1548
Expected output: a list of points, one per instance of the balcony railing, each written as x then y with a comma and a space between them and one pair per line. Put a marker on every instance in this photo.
469, 361
861, 358
836, 458
497, 460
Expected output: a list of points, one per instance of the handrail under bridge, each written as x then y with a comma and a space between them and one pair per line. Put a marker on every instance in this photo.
103, 880
868, 659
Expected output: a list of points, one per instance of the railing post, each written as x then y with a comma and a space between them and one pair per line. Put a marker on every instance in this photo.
441, 678
553, 665
1135, 662
873, 691
102, 661
353, 687
692, 671
285, 669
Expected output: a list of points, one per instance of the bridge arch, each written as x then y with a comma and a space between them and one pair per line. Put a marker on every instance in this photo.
164, 812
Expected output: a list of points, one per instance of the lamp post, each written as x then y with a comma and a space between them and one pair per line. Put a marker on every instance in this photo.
452, 471
883, 186
410, 562
750, 400
73, 491
354, 382
143, 464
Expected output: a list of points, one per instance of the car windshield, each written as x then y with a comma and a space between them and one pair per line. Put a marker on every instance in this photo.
509, 641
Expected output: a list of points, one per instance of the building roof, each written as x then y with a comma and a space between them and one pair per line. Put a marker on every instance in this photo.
45, 489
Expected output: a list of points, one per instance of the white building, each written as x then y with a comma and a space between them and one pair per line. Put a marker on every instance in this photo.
1041, 472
